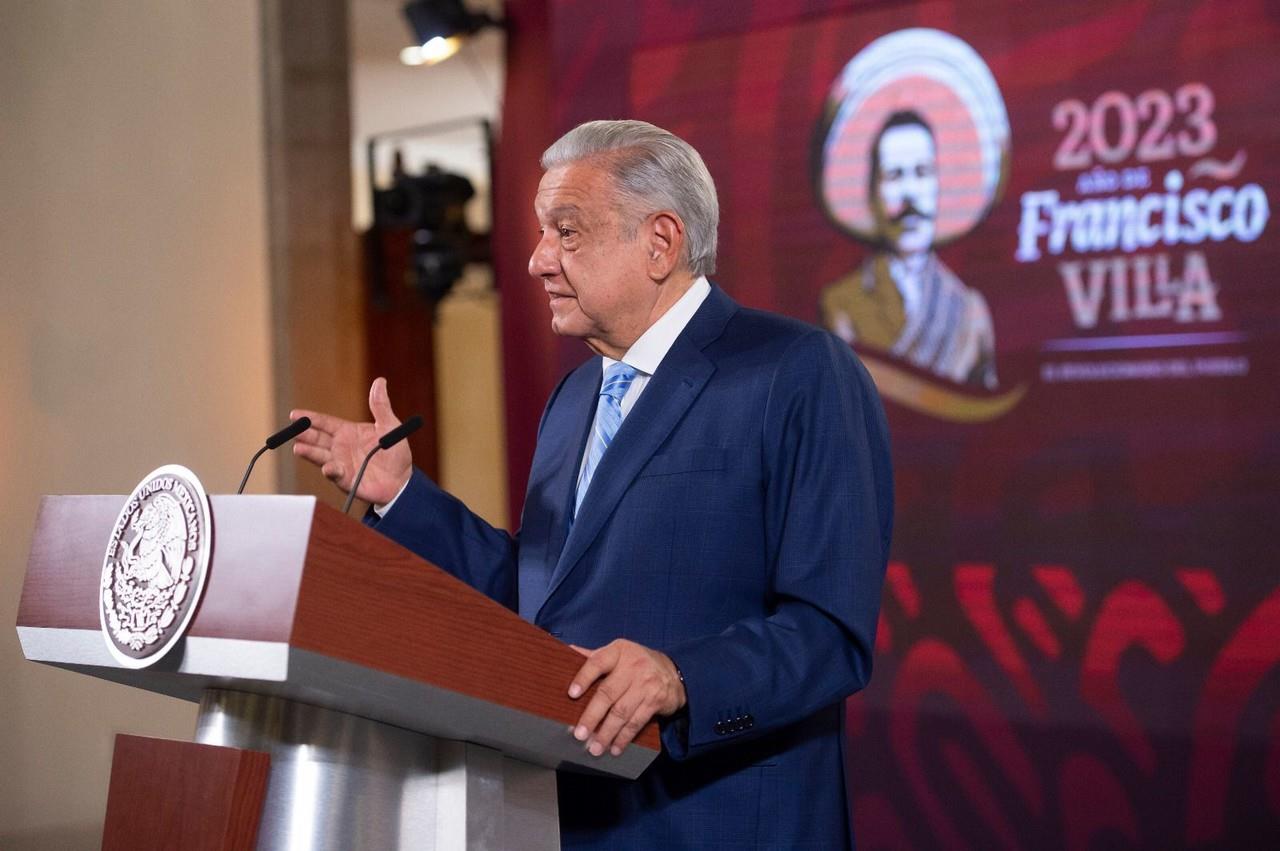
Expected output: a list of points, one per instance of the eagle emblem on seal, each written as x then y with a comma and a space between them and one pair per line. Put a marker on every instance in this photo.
155, 566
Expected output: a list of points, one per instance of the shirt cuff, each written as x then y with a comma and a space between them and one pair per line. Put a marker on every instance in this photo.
381, 510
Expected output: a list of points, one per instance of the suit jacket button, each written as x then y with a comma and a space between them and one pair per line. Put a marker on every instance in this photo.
720, 728
750, 721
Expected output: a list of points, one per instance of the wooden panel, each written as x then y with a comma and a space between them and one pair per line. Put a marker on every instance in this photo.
166, 794
360, 599
259, 543
405, 619
259, 546
65, 564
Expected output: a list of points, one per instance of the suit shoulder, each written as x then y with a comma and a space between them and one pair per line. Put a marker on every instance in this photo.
773, 324
792, 343
760, 328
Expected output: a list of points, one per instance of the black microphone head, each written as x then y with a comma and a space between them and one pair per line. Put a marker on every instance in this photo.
289, 432
400, 432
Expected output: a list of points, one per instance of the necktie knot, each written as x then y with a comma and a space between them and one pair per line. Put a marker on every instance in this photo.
617, 380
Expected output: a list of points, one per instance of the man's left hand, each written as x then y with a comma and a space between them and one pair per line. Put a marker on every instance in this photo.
638, 684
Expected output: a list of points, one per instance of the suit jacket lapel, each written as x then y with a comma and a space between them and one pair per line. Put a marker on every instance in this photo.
683, 373
552, 480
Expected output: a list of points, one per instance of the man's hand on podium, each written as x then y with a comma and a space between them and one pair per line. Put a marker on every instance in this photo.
638, 684
337, 447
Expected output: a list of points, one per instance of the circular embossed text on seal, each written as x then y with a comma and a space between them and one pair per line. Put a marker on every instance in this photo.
154, 570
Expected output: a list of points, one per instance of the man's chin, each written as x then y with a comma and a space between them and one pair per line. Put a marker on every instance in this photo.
914, 241
563, 326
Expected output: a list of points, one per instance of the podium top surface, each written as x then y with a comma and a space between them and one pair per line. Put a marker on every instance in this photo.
306, 603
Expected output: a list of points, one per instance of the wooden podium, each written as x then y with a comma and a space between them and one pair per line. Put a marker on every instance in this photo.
352, 696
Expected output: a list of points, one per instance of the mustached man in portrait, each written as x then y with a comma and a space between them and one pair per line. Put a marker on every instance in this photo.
908, 164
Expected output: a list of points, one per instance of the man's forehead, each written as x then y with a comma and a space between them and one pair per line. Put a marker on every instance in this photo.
572, 188
559, 211
906, 139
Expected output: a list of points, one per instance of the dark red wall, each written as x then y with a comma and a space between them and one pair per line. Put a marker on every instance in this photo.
1081, 625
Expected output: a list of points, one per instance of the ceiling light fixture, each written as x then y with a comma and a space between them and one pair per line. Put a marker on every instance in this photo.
440, 27
436, 49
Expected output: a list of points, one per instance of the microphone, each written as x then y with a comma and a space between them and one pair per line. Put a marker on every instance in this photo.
288, 433
275, 441
387, 441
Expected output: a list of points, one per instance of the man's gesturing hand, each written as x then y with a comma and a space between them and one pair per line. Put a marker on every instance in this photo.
638, 684
337, 447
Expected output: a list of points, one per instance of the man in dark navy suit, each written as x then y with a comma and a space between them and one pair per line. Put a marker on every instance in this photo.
709, 509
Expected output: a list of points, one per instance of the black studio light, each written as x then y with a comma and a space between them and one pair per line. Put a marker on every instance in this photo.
433, 205
439, 29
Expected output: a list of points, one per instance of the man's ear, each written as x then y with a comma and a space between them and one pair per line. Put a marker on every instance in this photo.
665, 235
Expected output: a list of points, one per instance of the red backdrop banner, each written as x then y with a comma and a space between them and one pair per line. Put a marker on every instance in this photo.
1047, 231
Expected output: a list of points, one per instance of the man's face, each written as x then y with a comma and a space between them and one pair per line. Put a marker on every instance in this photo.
591, 262
906, 193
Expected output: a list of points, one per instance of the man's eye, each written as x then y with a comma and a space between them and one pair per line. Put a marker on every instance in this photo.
565, 233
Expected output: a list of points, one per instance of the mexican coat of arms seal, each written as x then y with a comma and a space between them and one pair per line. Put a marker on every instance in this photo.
154, 570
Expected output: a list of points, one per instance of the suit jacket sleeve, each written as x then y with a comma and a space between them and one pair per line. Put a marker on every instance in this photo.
441, 529
828, 507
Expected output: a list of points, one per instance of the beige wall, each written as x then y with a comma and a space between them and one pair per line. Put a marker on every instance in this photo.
469, 397
133, 326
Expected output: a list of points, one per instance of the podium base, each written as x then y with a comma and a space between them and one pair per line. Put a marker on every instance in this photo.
166, 794
339, 781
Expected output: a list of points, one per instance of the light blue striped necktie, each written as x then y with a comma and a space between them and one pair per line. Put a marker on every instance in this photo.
617, 379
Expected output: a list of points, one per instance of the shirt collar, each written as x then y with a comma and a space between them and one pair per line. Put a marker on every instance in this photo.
646, 353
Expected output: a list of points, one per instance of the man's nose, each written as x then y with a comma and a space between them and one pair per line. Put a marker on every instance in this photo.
543, 260
914, 194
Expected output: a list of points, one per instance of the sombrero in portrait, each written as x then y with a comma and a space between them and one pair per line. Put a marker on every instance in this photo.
945, 82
